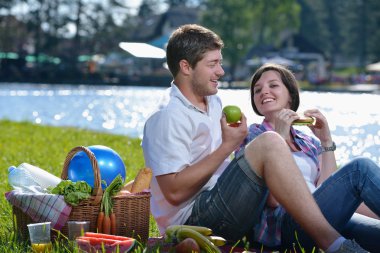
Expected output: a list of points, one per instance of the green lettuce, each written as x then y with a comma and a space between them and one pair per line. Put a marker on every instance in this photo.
73, 192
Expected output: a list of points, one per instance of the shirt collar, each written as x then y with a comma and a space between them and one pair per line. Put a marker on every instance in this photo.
175, 92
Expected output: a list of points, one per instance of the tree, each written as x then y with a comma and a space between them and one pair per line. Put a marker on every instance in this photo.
244, 24
11, 28
148, 8
345, 30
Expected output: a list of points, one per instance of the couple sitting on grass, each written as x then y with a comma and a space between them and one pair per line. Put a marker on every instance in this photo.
281, 189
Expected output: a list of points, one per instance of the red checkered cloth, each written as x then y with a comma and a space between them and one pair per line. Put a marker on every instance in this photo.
41, 207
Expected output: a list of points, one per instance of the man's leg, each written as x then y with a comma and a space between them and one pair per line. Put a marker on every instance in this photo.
234, 205
270, 157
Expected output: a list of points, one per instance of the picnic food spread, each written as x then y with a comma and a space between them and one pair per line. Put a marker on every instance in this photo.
77, 200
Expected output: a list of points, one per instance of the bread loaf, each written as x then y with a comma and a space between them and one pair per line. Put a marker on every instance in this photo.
142, 180
128, 186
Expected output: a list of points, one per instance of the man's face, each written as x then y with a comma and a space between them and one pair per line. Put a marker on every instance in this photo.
206, 73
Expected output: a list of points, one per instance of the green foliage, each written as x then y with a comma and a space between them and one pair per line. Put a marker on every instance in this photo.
73, 192
47, 147
344, 30
244, 24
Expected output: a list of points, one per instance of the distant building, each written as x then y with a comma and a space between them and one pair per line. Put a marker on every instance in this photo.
157, 29
307, 59
298, 48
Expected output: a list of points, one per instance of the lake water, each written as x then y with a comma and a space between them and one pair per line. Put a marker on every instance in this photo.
354, 118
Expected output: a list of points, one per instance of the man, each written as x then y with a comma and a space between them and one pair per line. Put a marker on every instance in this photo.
188, 143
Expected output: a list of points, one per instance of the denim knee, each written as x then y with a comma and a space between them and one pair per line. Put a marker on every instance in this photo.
362, 164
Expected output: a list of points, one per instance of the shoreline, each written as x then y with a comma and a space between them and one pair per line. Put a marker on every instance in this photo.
349, 88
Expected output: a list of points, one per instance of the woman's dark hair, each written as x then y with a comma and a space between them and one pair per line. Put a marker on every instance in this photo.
190, 42
287, 77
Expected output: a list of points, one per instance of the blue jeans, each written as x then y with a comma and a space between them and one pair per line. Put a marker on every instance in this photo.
338, 198
234, 205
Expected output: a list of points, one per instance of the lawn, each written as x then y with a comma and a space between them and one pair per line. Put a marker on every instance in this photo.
47, 147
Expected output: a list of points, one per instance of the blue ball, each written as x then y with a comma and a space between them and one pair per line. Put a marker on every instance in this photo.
109, 162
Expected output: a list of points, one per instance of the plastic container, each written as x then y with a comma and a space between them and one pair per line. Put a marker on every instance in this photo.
40, 176
27, 177
20, 179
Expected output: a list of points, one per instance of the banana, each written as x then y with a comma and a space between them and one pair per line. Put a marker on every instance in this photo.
171, 230
201, 240
217, 240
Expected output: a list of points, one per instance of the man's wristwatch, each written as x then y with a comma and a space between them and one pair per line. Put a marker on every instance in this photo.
331, 148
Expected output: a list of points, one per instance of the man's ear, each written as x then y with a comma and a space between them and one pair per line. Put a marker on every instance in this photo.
184, 67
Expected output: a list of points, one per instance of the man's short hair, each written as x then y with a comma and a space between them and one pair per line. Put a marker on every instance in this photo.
190, 42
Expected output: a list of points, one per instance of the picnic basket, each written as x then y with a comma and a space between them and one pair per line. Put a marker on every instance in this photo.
132, 211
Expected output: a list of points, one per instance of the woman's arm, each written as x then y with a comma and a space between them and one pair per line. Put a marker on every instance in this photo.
327, 163
321, 130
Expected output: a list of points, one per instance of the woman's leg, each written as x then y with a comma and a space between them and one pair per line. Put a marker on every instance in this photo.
272, 160
365, 231
339, 197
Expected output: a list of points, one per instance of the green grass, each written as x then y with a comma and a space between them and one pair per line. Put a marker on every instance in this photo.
47, 148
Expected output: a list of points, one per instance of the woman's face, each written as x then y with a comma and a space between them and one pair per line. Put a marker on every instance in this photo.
270, 94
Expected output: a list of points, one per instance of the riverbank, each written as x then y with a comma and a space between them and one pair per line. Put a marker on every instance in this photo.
97, 79
165, 81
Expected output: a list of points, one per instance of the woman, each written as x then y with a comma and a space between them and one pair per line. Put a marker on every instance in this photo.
275, 95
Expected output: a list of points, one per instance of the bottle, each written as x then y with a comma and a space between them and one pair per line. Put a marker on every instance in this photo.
20, 179
40, 176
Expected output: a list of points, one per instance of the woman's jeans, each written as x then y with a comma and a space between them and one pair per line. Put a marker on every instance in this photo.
338, 198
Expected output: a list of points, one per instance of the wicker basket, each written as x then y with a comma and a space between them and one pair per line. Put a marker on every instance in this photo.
132, 211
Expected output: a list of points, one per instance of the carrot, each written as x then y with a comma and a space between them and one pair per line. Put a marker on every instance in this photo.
99, 222
106, 224
113, 223
106, 204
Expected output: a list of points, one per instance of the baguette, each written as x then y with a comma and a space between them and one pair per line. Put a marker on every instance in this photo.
128, 186
142, 180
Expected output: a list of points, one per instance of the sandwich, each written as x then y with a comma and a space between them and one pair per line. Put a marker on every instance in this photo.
303, 121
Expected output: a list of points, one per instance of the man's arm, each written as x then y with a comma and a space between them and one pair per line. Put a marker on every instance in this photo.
181, 186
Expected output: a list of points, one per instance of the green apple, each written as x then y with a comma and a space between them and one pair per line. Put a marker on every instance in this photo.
233, 113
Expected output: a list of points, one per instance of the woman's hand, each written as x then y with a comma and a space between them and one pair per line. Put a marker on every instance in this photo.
283, 121
321, 127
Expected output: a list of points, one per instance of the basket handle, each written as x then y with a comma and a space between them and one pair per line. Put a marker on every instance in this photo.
97, 190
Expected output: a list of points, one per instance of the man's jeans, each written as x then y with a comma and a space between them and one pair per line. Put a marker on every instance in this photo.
338, 198
234, 205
